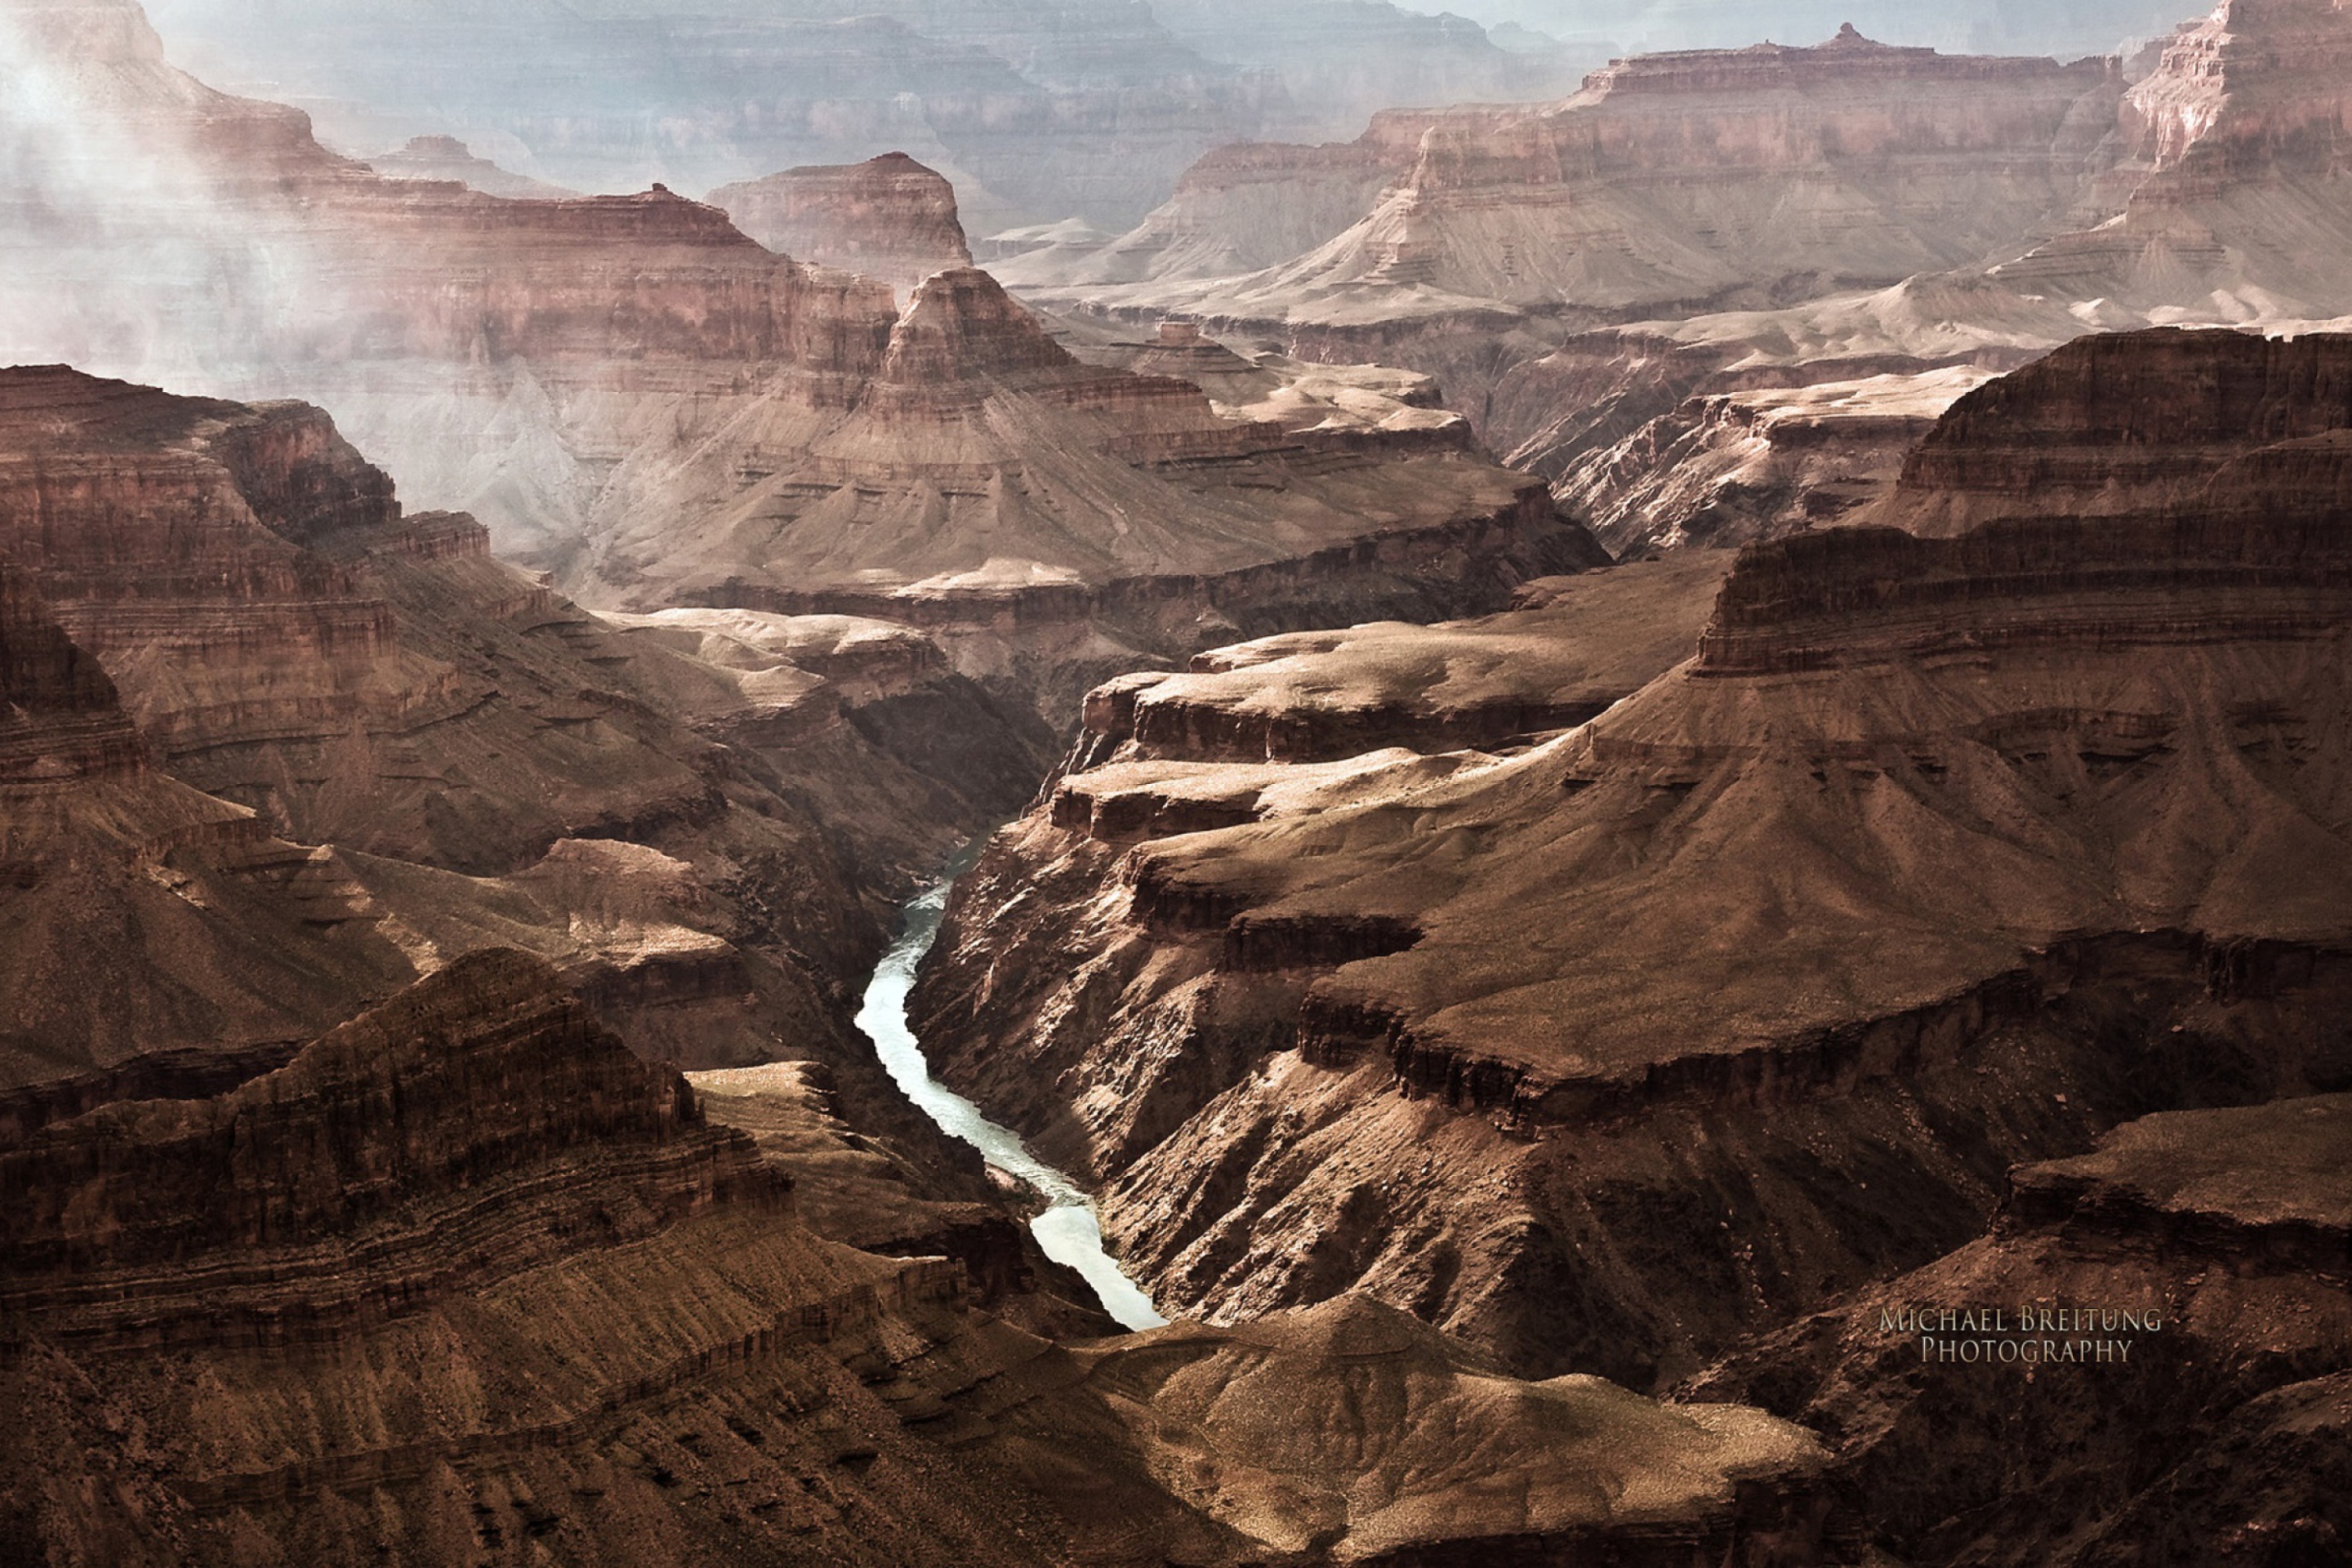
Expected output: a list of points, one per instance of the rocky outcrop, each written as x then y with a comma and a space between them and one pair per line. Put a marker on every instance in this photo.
1595, 204
2231, 147
1788, 955
2188, 1273
1729, 467
2132, 422
1052, 520
888, 217
1350, 1433
493, 1066
447, 158
529, 1294
1313, 697
512, 1262
577, 370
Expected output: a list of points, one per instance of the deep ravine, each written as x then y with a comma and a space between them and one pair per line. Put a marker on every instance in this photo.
1067, 1228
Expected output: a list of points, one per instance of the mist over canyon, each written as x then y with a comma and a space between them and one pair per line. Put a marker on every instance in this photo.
1613, 753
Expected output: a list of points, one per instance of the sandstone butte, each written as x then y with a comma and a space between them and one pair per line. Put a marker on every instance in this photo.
888, 217
1915, 858
1716, 295
637, 397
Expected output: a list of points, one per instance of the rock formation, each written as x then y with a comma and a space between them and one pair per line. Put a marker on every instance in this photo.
1088, 109
1670, 180
1940, 855
466, 1276
2232, 148
2219, 1404
1116, 518
447, 158
1600, 284
574, 371
888, 217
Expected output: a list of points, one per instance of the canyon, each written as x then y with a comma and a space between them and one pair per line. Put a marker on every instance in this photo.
747, 431
1764, 967
1595, 759
1715, 294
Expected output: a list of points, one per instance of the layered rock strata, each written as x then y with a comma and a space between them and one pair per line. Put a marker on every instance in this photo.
2207, 1424
1940, 855
1049, 519
888, 217
1669, 180
569, 369
447, 158
550, 1308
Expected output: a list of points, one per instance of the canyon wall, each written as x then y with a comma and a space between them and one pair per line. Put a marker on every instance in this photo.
466, 1277
1608, 1051
571, 369
888, 217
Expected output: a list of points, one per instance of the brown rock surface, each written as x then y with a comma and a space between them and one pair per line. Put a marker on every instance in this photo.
573, 369
2217, 1435
1049, 519
1742, 994
465, 1277
1731, 468
888, 217
1669, 179
2137, 422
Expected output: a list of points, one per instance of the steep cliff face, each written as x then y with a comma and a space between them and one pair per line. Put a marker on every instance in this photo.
281, 748
1053, 521
1089, 109
195, 927
888, 217
1785, 956
1733, 467
465, 1277
511, 1313
1676, 179
2232, 148
573, 369
2207, 1426
2139, 422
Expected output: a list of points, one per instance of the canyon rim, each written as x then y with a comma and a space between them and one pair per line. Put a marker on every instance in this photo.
1149, 782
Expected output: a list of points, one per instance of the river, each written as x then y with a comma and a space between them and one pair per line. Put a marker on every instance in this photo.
1067, 1230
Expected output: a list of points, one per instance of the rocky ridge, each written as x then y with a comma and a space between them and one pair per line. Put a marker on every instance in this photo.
2188, 185
567, 368
2047, 818
551, 1307
888, 217
2221, 1232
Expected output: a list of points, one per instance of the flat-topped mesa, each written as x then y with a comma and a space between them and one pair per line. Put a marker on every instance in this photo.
1730, 176
2147, 487
2269, 1181
447, 158
888, 217
377, 268
1315, 697
1843, 104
